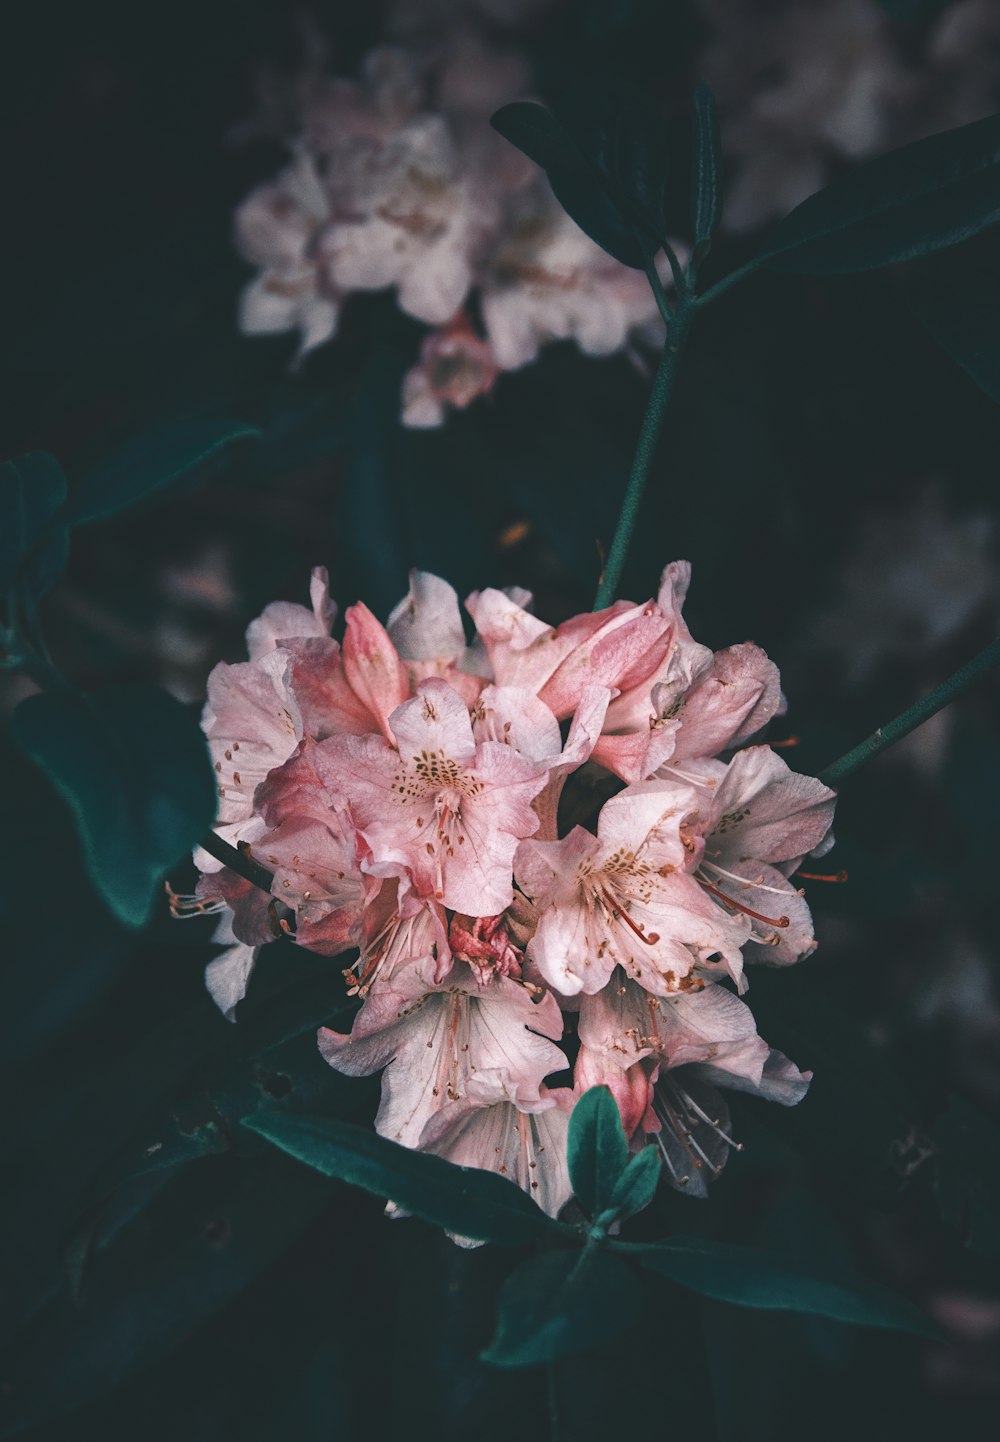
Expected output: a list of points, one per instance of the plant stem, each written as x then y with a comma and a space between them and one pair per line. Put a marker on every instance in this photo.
915, 716
239, 861
721, 286
680, 324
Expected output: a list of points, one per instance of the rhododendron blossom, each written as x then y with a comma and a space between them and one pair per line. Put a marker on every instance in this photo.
405, 786
398, 182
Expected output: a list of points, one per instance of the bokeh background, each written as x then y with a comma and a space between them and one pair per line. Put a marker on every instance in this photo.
831, 472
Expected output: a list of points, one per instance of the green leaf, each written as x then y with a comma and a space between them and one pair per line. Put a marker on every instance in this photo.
169, 1268
636, 1186
596, 1149
967, 1175
132, 765
706, 199
959, 303
560, 1303
464, 1200
605, 159
749, 1277
32, 488
151, 461
911, 202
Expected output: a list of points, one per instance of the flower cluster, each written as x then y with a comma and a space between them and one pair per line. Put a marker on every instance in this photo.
398, 181
803, 87
550, 825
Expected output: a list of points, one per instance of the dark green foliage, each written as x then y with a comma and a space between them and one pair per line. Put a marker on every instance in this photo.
636, 1187
596, 1148
910, 203
751, 1278
132, 766
957, 297
153, 460
605, 156
706, 179
170, 1264
463, 1200
561, 1303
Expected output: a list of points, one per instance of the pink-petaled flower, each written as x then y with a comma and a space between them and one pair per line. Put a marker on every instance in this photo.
372, 667
619, 647
435, 1040
546, 280
227, 975
284, 621
514, 716
399, 932
624, 898
456, 366
313, 849
351, 688
757, 821
525, 1142
484, 943
676, 1051
252, 718
406, 217
697, 704
278, 228
449, 809
253, 723
426, 629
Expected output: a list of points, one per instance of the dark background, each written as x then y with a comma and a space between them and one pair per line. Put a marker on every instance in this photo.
242, 1296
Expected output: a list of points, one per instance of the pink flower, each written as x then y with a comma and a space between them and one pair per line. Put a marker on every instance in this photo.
372, 667
314, 851
485, 944
434, 1041
675, 1051
514, 716
426, 629
757, 822
451, 810
619, 647
277, 228
227, 975
350, 689
547, 281
524, 1142
697, 704
252, 718
623, 898
455, 367
399, 932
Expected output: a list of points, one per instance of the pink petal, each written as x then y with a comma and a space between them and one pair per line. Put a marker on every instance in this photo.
738, 695
765, 810
434, 723
526, 1146
372, 666
427, 623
